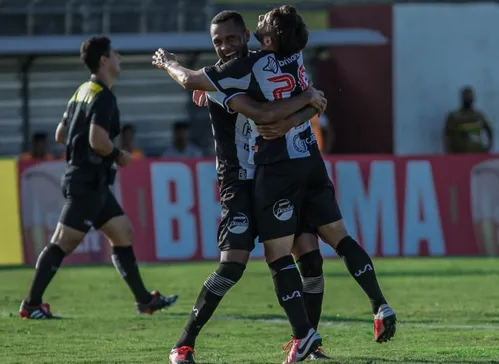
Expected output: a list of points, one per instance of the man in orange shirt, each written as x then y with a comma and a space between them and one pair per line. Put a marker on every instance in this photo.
38, 148
128, 141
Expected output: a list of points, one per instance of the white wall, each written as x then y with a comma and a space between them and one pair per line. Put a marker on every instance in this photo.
437, 49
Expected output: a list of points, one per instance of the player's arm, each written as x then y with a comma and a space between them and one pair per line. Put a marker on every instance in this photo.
62, 127
188, 79
490, 134
270, 112
100, 124
280, 128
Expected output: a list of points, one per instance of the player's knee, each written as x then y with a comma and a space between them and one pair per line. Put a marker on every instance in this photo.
121, 235
231, 270
66, 238
333, 233
310, 265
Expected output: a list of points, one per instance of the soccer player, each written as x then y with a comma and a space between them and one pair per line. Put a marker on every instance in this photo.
92, 122
282, 195
237, 231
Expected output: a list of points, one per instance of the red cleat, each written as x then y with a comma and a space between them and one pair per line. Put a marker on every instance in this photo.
182, 355
38, 312
384, 324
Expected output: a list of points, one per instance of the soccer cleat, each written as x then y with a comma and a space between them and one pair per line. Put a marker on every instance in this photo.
319, 355
38, 312
300, 349
158, 302
182, 355
384, 324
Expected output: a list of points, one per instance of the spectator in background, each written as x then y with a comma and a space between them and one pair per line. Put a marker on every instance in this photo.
466, 129
181, 147
323, 132
128, 141
39, 148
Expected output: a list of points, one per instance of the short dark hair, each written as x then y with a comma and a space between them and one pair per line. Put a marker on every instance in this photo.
227, 15
93, 49
39, 137
288, 30
180, 125
128, 127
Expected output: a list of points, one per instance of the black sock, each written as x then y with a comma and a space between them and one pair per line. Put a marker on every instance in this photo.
310, 265
289, 290
214, 289
126, 264
48, 263
361, 268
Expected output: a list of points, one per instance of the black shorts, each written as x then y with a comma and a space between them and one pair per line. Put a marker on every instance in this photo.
293, 196
86, 206
237, 229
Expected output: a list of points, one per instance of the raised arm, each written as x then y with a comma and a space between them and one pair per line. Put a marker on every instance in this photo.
187, 78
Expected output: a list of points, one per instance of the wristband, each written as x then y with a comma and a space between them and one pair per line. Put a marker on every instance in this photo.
115, 154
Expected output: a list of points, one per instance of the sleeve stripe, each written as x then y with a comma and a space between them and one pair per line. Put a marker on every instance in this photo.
227, 99
212, 82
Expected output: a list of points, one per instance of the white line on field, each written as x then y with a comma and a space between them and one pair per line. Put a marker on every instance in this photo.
347, 324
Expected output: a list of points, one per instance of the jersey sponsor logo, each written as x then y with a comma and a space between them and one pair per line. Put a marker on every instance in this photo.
283, 210
302, 144
367, 267
238, 224
289, 60
295, 294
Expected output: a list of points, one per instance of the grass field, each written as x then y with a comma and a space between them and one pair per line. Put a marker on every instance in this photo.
448, 312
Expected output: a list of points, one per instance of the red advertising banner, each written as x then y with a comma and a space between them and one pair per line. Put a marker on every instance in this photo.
394, 206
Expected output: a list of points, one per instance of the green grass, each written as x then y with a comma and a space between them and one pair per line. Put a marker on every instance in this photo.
448, 313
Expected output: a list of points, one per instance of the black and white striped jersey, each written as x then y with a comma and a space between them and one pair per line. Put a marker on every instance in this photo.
266, 77
231, 132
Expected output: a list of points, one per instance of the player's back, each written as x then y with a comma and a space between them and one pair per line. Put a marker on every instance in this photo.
90, 101
279, 78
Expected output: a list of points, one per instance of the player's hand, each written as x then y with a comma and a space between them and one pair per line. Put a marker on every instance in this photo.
161, 58
199, 98
275, 130
124, 159
318, 100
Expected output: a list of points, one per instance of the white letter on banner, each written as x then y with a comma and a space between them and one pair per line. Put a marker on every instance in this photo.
376, 204
209, 208
421, 200
166, 212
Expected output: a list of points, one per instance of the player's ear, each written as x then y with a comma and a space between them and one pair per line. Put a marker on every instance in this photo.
267, 41
246, 35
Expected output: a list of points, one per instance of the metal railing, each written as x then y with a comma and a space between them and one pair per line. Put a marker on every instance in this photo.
61, 17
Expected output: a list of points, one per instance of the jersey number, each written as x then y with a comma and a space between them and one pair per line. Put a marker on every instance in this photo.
289, 83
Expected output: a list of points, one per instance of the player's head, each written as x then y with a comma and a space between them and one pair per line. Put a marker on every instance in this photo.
180, 133
127, 135
100, 57
467, 97
282, 30
229, 35
39, 144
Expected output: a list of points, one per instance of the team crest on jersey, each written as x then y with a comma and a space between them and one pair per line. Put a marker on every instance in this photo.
243, 175
238, 224
247, 129
271, 65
